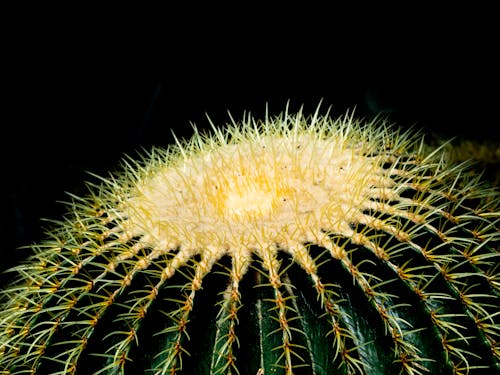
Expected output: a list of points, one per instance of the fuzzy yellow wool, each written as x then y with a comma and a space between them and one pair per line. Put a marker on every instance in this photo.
259, 189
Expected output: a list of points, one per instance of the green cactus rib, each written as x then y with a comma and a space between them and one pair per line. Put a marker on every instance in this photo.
293, 245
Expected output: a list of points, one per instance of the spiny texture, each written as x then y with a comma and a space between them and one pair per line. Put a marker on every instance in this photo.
293, 245
486, 155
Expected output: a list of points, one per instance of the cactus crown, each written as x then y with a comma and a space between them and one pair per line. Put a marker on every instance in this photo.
297, 244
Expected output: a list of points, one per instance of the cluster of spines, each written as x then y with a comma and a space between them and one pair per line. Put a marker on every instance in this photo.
81, 273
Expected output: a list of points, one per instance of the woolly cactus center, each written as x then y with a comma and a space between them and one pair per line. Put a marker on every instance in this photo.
249, 202
254, 193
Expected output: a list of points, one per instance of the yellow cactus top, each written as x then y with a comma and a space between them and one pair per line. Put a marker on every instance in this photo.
264, 187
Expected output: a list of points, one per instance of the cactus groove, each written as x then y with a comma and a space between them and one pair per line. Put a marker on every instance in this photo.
292, 245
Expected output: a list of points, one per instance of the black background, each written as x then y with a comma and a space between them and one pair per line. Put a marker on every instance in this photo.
80, 92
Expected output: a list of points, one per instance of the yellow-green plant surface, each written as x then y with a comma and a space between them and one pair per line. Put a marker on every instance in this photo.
289, 245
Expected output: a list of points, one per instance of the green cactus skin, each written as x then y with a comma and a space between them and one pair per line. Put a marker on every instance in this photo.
293, 245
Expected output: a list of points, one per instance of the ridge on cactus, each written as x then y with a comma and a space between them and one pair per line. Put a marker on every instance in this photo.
295, 244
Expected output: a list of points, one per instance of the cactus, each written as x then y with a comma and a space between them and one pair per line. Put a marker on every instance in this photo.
485, 153
299, 244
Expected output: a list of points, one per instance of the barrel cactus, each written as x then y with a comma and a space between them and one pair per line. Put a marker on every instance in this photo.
295, 244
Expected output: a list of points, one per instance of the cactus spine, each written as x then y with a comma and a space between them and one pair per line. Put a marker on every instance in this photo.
293, 245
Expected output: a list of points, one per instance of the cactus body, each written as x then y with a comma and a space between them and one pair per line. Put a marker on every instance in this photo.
294, 245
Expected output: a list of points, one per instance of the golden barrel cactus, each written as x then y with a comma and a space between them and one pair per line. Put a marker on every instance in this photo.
295, 244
